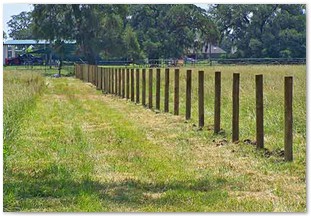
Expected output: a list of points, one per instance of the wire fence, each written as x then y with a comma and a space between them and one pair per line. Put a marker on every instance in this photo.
189, 62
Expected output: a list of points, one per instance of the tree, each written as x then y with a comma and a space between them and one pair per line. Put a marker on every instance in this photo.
21, 26
95, 28
122, 31
4, 35
262, 30
166, 31
132, 47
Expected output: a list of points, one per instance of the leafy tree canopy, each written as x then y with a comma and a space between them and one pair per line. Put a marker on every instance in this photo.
263, 30
21, 26
4, 35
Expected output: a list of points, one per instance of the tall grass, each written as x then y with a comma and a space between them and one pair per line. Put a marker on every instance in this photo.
20, 90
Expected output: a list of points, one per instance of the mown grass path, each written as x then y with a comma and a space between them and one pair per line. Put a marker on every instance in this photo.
80, 150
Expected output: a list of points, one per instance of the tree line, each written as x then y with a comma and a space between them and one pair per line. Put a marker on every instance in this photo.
167, 31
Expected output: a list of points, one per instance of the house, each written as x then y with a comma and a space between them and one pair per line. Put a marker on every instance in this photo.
215, 51
12, 48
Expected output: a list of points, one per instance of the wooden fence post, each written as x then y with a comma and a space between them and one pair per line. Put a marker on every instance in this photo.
95, 74
150, 88
85, 69
115, 74
188, 94
127, 83
288, 112
119, 84
132, 84
259, 112
102, 79
112, 80
92, 75
88, 73
166, 90
143, 96
201, 98
116, 81
97, 77
123, 82
235, 107
158, 86
137, 85
176, 92
217, 102
106, 80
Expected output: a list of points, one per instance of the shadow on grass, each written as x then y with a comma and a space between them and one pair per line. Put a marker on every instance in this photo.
56, 182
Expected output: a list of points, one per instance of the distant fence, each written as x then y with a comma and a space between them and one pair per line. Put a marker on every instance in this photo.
121, 82
68, 67
202, 62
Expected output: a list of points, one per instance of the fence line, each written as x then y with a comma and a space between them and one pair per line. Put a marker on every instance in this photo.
121, 82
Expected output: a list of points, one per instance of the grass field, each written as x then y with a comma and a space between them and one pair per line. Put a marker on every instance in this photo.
78, 150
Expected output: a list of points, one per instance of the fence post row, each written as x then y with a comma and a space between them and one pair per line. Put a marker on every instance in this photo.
288, 108
176, 92
201, 98
235, 107
259, 112
188, 94
119, 81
